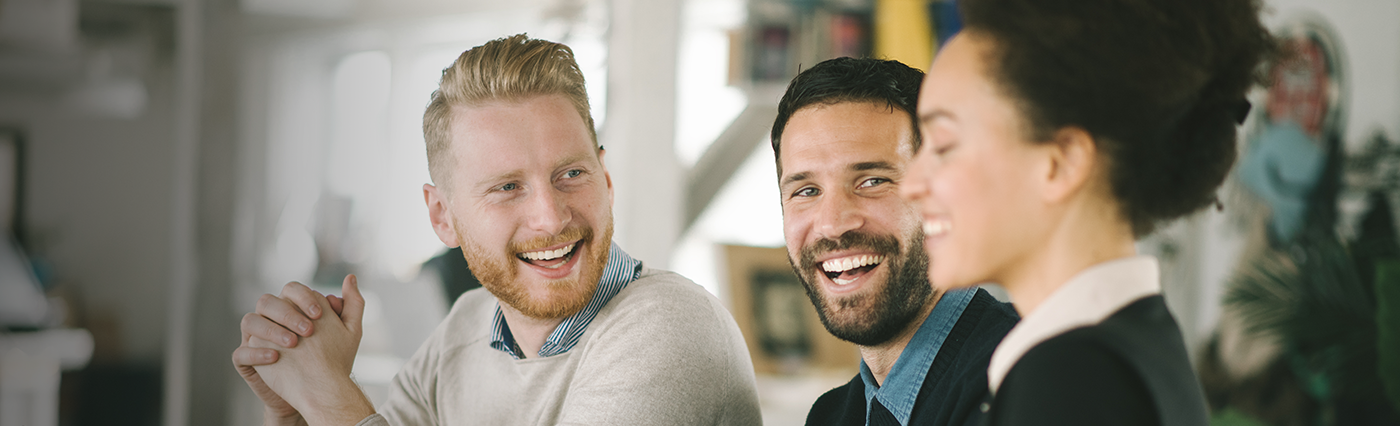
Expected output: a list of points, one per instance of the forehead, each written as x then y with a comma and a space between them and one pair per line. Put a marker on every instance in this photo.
957, 75
516, 135
844, 133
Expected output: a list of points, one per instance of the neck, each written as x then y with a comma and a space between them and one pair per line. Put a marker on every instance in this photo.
881, 358
1087, 235
529, 333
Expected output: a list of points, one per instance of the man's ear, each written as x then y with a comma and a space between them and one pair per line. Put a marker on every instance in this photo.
1073, 158
440, 214
606, 176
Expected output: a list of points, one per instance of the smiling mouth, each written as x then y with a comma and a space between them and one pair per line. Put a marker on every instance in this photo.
846, 270
936, 227
550, 259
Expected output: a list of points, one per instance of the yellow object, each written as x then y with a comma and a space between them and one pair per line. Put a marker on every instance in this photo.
903, 32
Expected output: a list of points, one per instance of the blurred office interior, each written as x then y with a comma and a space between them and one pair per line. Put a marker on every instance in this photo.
165, 162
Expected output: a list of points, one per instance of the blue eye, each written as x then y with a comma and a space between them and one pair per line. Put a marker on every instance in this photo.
873, 182
509, 187
806, 192
573, 173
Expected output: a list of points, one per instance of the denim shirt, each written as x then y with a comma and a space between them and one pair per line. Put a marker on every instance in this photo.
901, 388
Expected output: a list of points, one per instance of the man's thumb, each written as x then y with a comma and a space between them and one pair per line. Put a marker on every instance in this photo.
354, 310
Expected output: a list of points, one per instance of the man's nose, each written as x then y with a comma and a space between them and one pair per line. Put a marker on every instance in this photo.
838, 214
548, 212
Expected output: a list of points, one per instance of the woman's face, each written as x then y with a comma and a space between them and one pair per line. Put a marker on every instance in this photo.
977, 179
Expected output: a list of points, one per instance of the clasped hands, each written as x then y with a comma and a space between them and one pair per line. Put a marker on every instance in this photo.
301, 378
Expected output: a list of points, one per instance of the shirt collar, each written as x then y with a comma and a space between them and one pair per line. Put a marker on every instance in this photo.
901, 388
1087, 299
620, 270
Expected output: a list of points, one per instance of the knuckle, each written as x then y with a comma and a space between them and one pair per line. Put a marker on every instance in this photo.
265, 300
292, 288
248, 321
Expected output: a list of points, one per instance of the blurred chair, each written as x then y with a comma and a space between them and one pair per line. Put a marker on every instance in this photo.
451, 268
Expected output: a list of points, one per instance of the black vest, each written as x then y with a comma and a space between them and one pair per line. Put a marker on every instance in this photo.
1130, 369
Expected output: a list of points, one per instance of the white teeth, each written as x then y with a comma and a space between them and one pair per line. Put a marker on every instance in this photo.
934, 228
548, 254
848, 263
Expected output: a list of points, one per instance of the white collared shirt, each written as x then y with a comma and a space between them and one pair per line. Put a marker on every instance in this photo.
1086, 299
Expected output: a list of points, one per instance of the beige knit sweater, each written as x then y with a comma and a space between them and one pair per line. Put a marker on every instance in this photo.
662, 352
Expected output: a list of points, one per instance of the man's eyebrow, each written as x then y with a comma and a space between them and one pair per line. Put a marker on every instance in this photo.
572, 159
795, 177
874, 165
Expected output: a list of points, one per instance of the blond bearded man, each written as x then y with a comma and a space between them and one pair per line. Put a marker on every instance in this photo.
568, 328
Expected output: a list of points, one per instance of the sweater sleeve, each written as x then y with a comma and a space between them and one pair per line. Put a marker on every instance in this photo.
665, 354
373, 420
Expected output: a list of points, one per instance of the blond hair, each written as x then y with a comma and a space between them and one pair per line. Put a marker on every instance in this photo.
504, 69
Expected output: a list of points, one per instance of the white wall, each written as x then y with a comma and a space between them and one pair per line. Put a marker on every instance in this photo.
98, 208
639, 135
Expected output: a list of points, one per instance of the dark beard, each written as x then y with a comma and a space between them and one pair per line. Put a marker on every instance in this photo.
870, 319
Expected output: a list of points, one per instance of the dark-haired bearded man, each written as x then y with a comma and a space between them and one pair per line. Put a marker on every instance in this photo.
844, 135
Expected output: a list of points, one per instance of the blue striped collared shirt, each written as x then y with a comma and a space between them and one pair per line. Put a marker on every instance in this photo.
620, 270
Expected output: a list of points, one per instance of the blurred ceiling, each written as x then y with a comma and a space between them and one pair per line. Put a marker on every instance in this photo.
93, 55
384, 10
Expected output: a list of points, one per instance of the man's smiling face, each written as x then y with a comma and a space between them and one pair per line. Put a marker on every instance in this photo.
850, 238
530, 203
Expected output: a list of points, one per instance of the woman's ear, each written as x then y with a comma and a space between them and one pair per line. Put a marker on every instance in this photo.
1073, 162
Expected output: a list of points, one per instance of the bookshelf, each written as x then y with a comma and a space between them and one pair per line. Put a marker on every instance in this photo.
782, 37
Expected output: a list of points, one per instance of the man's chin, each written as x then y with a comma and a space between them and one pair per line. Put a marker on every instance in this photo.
548, 296
856, 331
559, 306
859, 318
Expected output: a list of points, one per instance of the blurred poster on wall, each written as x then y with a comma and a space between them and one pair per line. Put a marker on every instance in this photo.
784, 335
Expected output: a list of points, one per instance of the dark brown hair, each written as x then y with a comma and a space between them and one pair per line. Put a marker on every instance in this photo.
880, 81
1160, 85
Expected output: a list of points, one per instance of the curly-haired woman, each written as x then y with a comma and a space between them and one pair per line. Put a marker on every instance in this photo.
1056, 133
